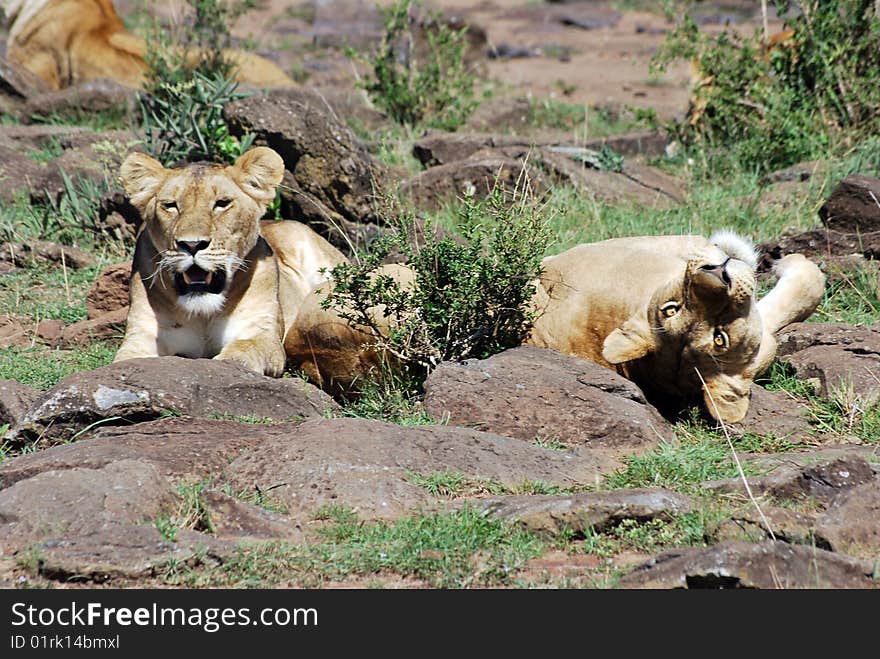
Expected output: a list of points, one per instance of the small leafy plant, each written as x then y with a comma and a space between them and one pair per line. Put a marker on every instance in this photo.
428, 85
469, 298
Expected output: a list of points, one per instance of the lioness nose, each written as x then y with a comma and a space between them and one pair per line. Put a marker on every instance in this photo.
192, 246
719, 271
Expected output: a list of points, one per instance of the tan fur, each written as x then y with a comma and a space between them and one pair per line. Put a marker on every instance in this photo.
605, 302
66, 42
334, 355
203, 219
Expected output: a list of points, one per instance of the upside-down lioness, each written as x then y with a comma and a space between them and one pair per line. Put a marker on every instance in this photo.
208, 278
676, 314
65, 42
669, 312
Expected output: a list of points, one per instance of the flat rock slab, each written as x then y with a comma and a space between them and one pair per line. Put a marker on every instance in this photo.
787, 525
533, 393
578, 513
742, 565
79, 502
233, 519
852, 522
838, 356
369, 465
190, 449
139, 390
822, 481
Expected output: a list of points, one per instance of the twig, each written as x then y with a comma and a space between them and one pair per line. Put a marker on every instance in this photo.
766, 26
739, 468
66, 282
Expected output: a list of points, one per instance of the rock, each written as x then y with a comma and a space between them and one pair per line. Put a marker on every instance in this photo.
97, 95
50, 329
500, 114
20, 175
18, 82
822, 481
852, 522
45, 252
741, 565
800, 172
139, 390
109, 292
80, 502
121, 551
845, 359
322, 153
533, 393
96, 160
854, 205
118, 218
787, 525
777, 414
108, 326
23, 138
476, 177
505, 50
440, 148
15, 399
369, 465
823, 244
13, 333
589, 18
181, 449
233, 519
579, 513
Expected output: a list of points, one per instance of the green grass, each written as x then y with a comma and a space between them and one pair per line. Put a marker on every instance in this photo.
105, 120
583, 121
447, 550
454, 484
853, 298
388, 398
43, 368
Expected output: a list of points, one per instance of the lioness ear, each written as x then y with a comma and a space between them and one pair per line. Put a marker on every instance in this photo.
727, 397
630, 341
140, 176
260, 170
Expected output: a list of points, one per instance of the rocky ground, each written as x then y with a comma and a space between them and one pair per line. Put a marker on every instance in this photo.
526, 469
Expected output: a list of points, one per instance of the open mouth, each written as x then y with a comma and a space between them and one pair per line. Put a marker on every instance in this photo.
195, 281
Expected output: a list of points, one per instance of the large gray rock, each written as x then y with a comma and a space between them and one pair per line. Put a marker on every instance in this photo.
741, 565
475, 177
852, 522
324, 156
843, 358
369, 465
97, 95
143, 389
534, 393
579, 513
774, 413
819, 480
187, 449
80, 502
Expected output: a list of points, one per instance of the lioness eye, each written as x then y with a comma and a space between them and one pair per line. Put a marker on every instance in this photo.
721, 339
222, 203
169, 205
669, 309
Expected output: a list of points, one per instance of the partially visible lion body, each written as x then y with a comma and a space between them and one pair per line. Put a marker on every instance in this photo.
676, 314
65, 42
209, 279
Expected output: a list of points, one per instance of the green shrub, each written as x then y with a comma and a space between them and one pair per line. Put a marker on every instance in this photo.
469, 297
186, 87
428, 86
813, 91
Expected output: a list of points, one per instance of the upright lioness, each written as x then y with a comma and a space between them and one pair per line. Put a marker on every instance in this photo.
66, 42
208, 278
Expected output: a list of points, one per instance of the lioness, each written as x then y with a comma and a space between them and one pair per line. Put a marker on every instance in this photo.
208, 278
675, 314
65, 42
669, 312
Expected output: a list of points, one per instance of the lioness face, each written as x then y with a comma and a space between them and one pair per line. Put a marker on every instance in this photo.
700, 334
203, 219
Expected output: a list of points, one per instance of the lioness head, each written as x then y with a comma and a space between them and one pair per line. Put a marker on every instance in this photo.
203, 219
700, 332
